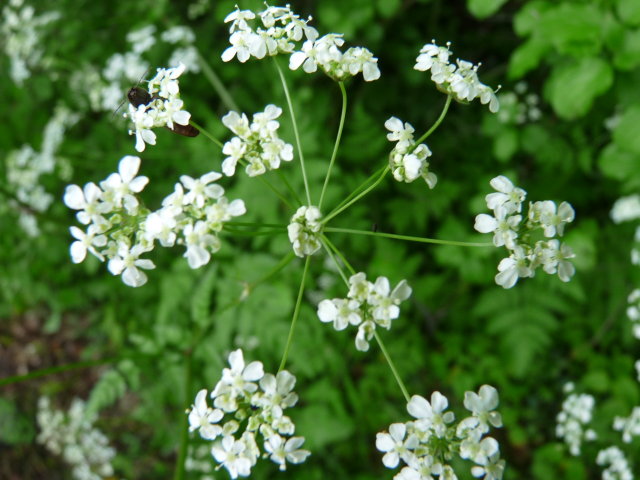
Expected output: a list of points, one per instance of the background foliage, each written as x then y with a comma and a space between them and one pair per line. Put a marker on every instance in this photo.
582, 61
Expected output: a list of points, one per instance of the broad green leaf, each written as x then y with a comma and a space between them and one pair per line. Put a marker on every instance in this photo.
627, 55
528, 17
484, 8
618, 164
626, 135
628, 11
573, 29
573, 87
505, 145
527, 57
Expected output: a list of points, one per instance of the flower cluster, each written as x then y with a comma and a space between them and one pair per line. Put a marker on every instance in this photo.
162, 108
367, 306
26, 166
629, 426
519, 106
120, 229
246, 403
617, 464
427, 444
530, 240
460, 80
281, 31
325, 53
305, 231
257, 144
575, 415
626, 209
408, 161
72, 435
633, 311
20, 32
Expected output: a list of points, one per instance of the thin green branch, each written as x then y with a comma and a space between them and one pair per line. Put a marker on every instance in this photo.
437, 124
207, 134
295, 130
407, 238
339, 253
217, 84
405, 392
296, 314
336, 145
326, 246
275, 190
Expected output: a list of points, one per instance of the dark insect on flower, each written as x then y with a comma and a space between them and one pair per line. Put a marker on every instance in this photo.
139, 96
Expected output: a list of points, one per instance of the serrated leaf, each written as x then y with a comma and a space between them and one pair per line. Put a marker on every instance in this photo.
484, 8
573, 87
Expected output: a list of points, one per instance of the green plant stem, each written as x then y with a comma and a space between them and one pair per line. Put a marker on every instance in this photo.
295, 130
336, 145
435, 125
275, 190
184, 431
207, 134
339, 254
326, 246
392, 366
361, 187
296, 314
255, 224
293, 193
408, 238
217, 84
58, 369
339, 210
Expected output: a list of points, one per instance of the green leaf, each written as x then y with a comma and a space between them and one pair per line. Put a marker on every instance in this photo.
484, 8
201, 300
625, 134
629, 11
527, 57
573, 87
627, 55
528, 17
16, 428
573, 29
505, 145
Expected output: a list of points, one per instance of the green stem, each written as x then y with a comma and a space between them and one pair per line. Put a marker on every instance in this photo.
296, 314
339, 210
255, 224
290, 188
295, 130
326, 246
217, 84
184, 431
361, 187
336, 145
435, 125
207, 134
52, 370
339, 253
407, 237
405, 392
275, 190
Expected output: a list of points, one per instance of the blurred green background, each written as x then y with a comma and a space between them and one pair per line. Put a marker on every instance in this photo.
569, 129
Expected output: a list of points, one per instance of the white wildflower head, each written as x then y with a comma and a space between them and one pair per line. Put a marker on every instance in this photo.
256, 145
530, 239
629, 426
626, 209
427, 444
633, 311
367, 306
617, 466
459, 79
305, 230
408, 160
574, 418
248, 410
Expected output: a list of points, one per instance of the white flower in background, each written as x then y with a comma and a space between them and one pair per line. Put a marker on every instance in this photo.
249, 403
408, 160
626, 209
127, 262
142, 39
516, 233
257, 144
629, 426
427, 444
617, 464
72, 436
305, 230
575, 416
633, 311
460, 80
367, 305
119, 188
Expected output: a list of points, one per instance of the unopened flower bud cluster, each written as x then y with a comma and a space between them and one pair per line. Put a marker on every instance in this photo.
120, 229
256, 145
248, 405
576, 414
367, 306
407, 160
305, 231
72, 436
459, 80
530, 240
281, 31
427, 445
163, 110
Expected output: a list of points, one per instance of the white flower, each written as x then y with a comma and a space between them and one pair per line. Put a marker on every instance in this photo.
629, 426
342, 312
127, 263
161, 225
507, 197
395, 445
235, 381
233, 455
280, 451
200, 190
431, 416
89, 201
513, 267
304, 231
120, 187
204, 418
200, 244
626, 208
86, 242
482, 406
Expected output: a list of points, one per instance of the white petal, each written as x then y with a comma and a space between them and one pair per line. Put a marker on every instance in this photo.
485, 223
